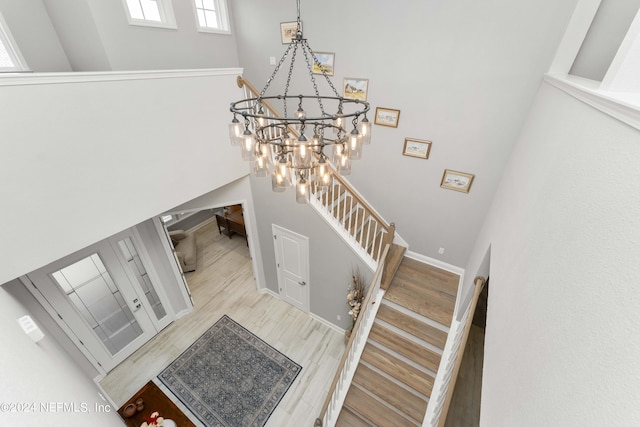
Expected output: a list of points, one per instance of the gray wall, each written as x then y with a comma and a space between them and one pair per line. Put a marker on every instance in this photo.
76, 28
34, 34
331, 260
562, 316
463, 75
97, 36
604, 37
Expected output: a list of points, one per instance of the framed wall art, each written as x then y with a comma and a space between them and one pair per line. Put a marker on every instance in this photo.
387, 117
288, 31
458, 181
416, 148
326, 60
353, 88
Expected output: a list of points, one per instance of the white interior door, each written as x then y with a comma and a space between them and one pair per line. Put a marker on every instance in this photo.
92, 295
292, 261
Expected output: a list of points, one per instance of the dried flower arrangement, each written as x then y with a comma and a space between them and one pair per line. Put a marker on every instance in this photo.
355, 294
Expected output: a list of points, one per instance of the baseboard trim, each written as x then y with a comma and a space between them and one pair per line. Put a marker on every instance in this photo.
435, 262
327, 323
182, 313
269, 292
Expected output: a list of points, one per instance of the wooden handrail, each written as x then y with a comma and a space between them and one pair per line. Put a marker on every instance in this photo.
479, 283
362, 202
365, 302
242, 82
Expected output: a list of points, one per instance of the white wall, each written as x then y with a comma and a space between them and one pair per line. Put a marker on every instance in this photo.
562, 345
463, 74
604, 38
83, 161
98, 37
42, 373
34, 34
76, 29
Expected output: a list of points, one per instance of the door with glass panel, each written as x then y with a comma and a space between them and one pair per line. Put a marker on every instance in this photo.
92, 293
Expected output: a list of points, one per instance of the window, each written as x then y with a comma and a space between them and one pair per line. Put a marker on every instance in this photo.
11, 59
151, 13
212, 16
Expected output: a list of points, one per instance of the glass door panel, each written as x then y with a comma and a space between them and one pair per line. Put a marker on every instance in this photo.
90, 288
128, 250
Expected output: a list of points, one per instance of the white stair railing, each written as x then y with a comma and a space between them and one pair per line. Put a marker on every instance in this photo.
341, 205
347, 368
445, 381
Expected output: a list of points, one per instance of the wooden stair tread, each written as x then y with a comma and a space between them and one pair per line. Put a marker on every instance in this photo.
346, 418
442, 280
395, 395
394, 258
396, 368
412, 326
370, 409
418, 296
409, 349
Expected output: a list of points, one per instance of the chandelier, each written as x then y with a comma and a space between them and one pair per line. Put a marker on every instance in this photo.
295, 147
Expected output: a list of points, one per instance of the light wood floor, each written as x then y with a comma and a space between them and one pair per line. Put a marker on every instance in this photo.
223, 284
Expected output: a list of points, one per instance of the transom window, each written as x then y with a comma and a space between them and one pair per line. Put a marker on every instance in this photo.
212, 16
152, 13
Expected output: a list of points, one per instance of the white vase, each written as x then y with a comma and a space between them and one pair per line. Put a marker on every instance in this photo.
169, 423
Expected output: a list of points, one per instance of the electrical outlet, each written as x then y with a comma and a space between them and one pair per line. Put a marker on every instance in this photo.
272, 60
441, 251
338, 317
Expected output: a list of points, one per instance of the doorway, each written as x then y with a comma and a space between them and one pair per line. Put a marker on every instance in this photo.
292, 263
104, 298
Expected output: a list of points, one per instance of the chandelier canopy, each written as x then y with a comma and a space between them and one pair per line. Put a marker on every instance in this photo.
293, 146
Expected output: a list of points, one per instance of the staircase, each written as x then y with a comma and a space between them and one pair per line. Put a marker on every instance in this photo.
388, 372
393, 380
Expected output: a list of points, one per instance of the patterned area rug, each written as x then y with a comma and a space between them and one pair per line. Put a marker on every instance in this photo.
229, 377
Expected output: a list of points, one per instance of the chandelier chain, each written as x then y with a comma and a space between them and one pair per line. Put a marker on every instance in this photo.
275, 71
305, 47
286, 86
324, 71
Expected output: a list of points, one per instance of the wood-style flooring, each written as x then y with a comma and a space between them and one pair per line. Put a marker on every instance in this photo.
395, 376
223, 283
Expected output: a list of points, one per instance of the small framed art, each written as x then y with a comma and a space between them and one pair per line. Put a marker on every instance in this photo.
288, 31
355, 88
458, 181
416, 148
387, 117
326, 60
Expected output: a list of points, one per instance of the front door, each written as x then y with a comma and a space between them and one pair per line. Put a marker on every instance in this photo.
96, 301
292, 261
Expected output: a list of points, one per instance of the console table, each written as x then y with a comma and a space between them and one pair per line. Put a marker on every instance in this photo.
154, 400
232, 222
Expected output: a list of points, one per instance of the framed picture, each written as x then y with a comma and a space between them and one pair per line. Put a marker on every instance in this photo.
458, 181
326, 60
288, 31
416, 148
355, 88
387, 117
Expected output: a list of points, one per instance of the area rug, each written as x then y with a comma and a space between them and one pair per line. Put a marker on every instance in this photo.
229, 377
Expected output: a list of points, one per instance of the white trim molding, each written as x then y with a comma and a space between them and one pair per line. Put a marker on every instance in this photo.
436, 263
621, 106
107, 76
327, 323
